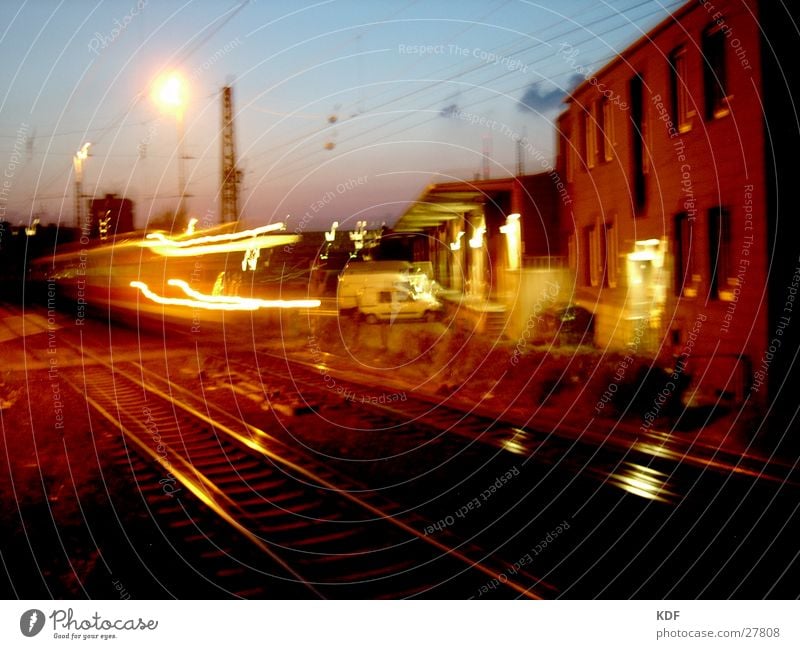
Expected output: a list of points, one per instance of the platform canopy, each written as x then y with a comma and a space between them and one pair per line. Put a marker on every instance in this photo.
444, 202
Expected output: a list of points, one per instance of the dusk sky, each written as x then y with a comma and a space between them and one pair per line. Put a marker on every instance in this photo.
344, 110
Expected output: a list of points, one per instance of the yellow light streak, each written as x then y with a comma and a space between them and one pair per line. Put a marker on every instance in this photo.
194, 304
233, 299
167, 250
159, 238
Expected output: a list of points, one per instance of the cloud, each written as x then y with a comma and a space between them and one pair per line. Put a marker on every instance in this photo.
534, 100
451, 110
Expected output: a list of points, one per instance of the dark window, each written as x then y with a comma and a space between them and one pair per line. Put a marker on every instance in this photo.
608, 140
636, 87
601, 130
684, 254
715, 79
590, 137
719, 249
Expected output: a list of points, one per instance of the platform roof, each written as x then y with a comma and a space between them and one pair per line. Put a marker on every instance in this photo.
443, 202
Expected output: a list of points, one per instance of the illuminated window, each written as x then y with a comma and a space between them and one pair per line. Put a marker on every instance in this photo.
684, 256
715, 78
682, 111
719, 249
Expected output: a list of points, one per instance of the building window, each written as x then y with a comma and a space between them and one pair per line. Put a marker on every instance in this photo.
591, 276
682, 111
569, 155
572, 253
715, 77
638, 158
610, 255
684, 256
590, 135
719, 250
607, 137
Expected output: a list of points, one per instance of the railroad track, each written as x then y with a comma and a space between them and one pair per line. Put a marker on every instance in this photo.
255, 516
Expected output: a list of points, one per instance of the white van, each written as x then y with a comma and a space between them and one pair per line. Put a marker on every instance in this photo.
384, 291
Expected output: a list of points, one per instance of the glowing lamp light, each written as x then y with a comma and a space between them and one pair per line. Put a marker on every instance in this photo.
456, 245
477, 239
330, 237
83, 152
169, 92
512, 231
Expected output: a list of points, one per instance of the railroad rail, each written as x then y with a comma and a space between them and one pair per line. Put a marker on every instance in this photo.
317, 532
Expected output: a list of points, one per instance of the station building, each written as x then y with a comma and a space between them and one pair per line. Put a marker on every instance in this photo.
495, 244
676, 157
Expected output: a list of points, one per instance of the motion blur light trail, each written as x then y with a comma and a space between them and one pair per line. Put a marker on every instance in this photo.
219, 302
218, 243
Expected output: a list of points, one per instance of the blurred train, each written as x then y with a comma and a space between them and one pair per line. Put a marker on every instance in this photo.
196, 277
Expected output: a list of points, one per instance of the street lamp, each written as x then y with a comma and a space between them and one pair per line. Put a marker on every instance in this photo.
169, 92
77, 162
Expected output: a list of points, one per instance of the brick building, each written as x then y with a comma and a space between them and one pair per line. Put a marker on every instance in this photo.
676, 158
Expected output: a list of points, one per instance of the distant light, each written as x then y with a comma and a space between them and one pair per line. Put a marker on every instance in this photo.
330, 237
83, 152
169, 92
190, 226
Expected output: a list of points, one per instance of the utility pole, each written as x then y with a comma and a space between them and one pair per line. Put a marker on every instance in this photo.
78, 161
487, 154
231, 176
